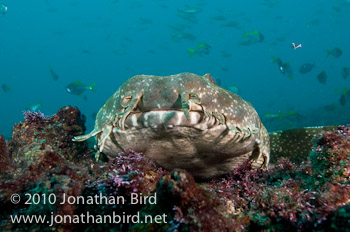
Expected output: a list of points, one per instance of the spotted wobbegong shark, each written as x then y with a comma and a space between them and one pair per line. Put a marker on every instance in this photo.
182, 121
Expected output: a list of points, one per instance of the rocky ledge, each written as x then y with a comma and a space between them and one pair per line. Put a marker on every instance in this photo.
42, 172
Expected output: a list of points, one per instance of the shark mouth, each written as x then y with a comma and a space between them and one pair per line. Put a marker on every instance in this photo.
168, 119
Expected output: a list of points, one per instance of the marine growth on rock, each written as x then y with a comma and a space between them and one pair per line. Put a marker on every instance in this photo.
311, 195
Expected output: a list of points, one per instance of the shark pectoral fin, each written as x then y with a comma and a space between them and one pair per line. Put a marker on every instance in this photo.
259, 158
97, 156
106, 131
261, 153
266, 160
81, 138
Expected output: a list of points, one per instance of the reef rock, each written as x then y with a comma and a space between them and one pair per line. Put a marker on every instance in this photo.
41, 159
312, 195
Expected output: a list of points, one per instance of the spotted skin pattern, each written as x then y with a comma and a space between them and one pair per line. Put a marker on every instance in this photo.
295, 144
182, 121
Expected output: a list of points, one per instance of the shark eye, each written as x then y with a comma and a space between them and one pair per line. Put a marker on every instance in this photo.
194, 97
126, 100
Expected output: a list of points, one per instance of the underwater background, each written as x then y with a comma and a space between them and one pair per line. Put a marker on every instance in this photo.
49, 45
290, 59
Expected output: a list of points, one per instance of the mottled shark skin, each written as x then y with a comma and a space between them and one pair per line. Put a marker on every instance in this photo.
182, 121
295, 144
